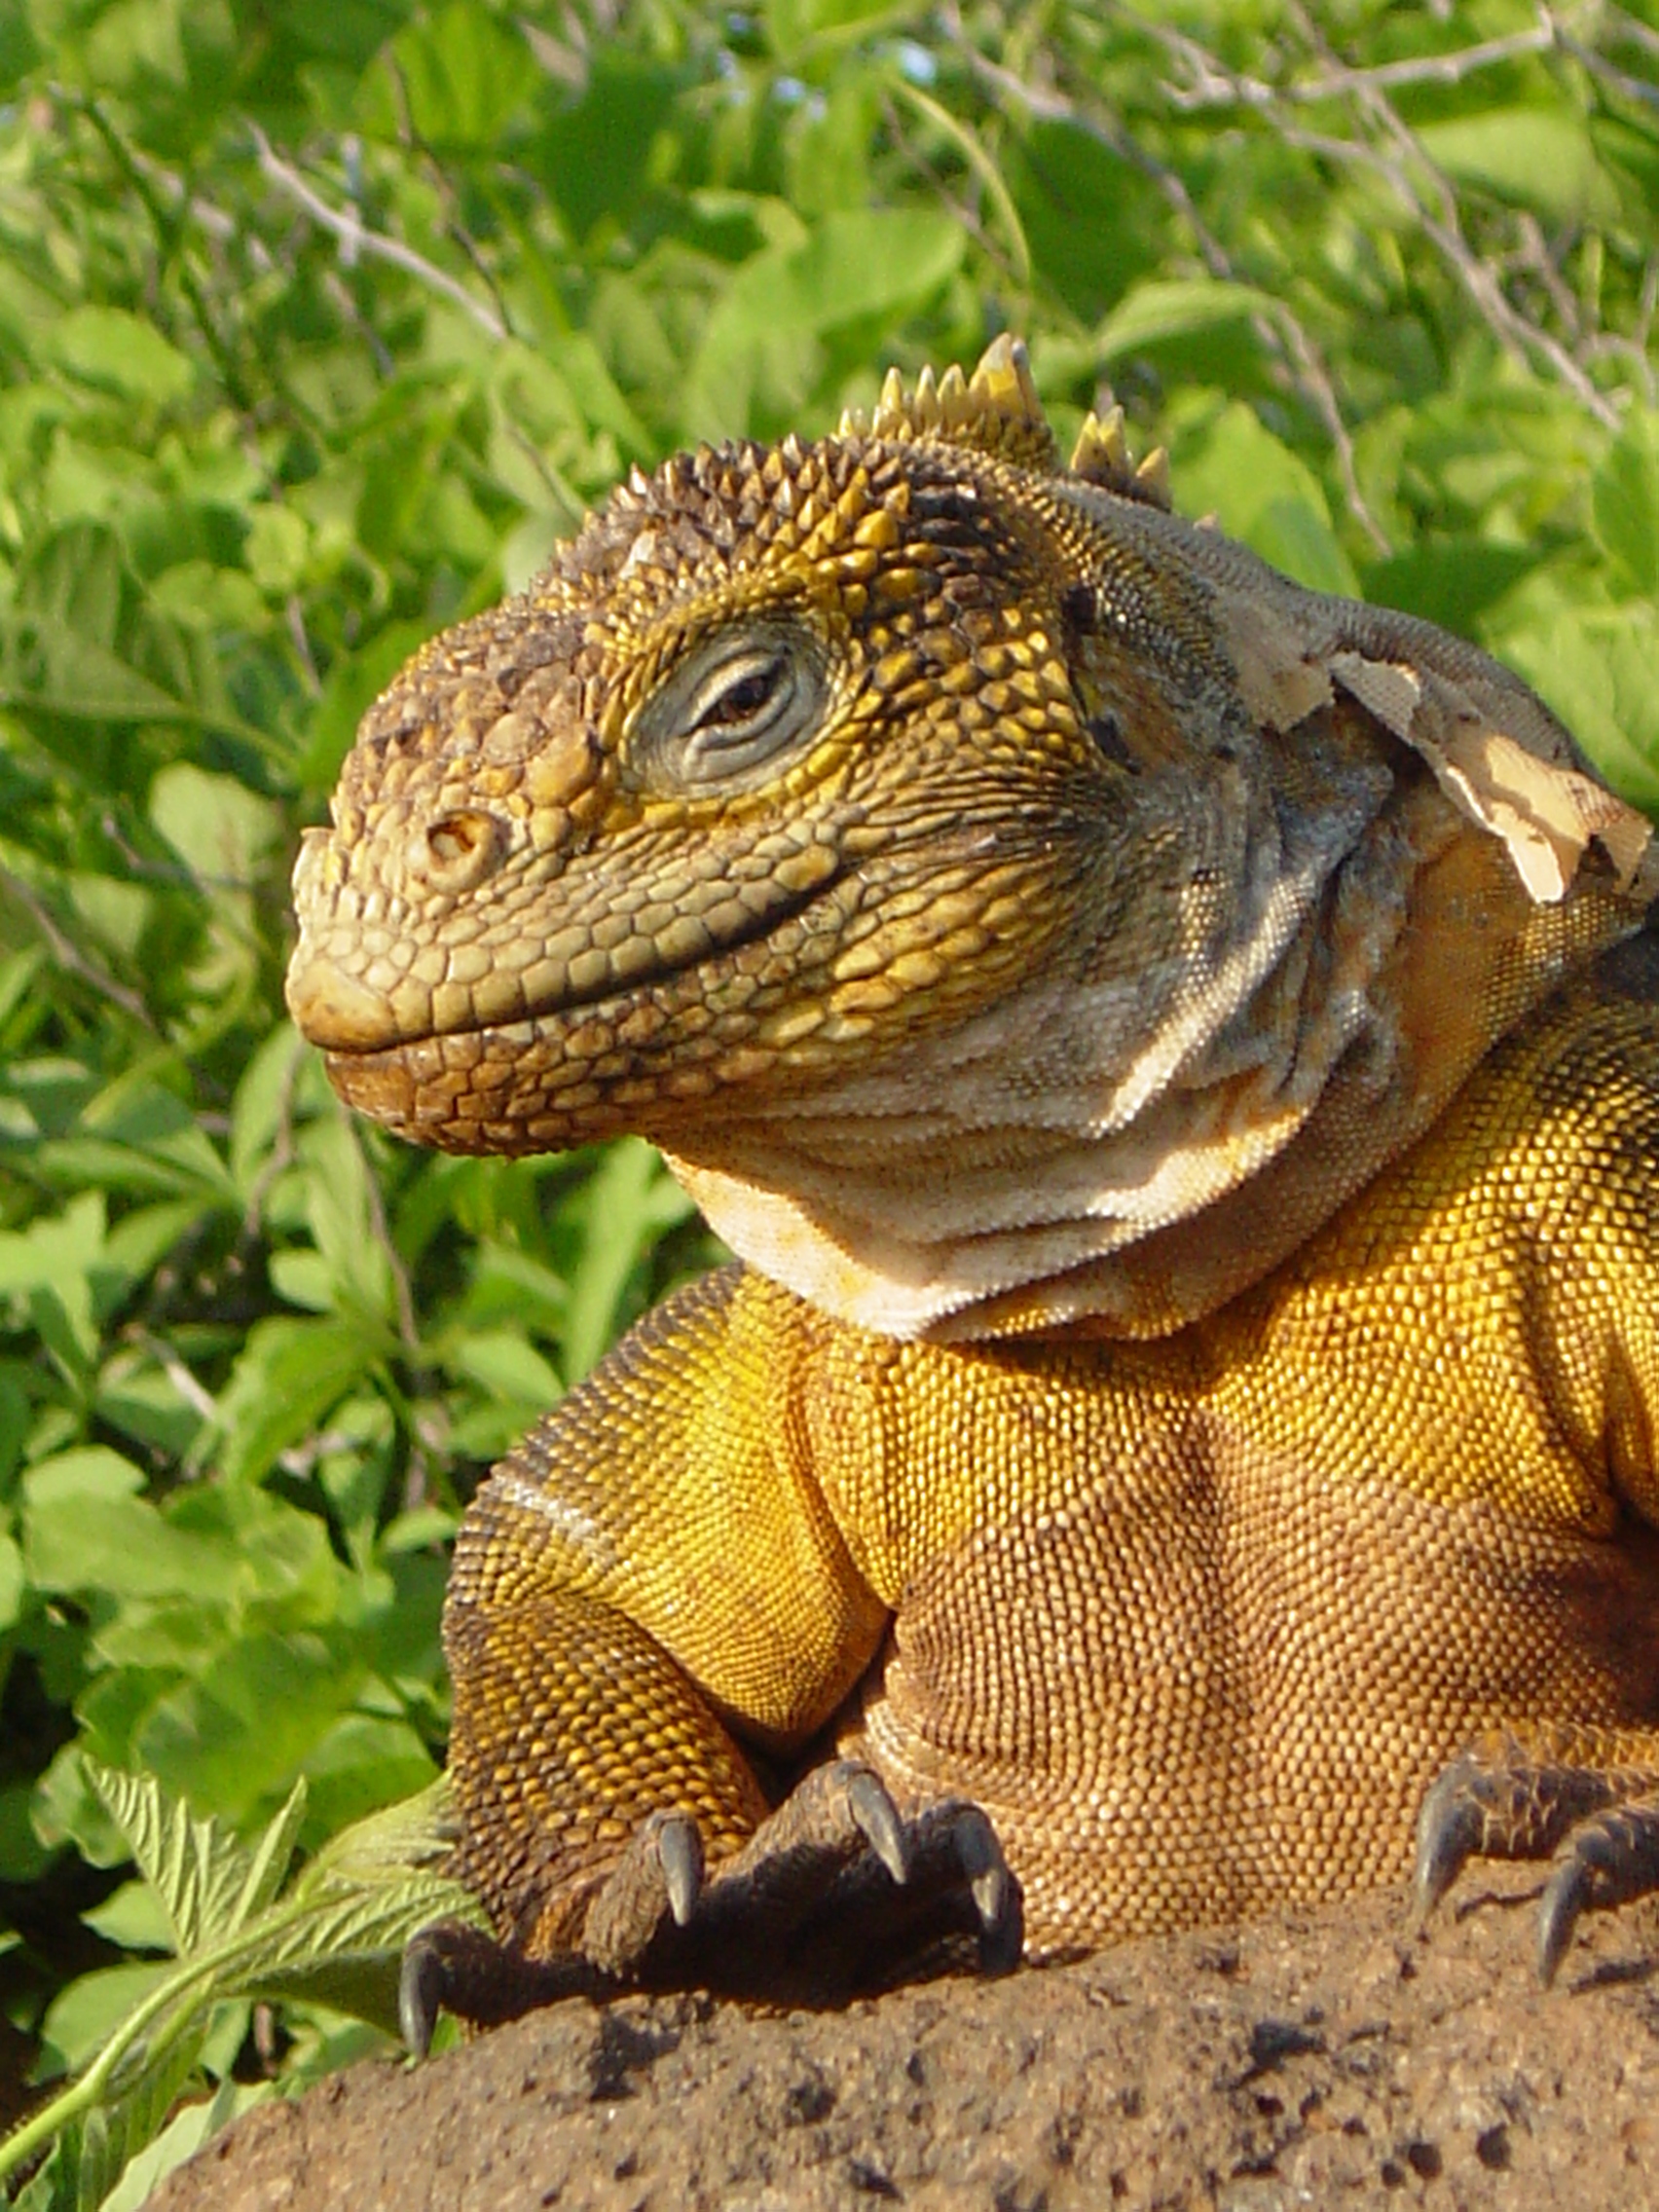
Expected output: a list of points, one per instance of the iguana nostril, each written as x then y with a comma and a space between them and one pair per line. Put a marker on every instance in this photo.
461, 850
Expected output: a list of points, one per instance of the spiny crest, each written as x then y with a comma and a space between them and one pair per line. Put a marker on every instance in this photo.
997, 409
1101, 456
716, 511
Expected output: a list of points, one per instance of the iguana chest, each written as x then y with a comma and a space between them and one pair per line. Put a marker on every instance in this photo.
1210, 1613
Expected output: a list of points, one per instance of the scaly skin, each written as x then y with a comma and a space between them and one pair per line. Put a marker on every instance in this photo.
1178, 1057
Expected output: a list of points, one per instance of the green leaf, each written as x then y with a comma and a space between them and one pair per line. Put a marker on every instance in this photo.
133, 1917
462, 78
629, 1200
122, 1547
1595, 667
509, 1367
1164, 311
13, 1582
79, 2023
793, 25
87, 1481
46, 664
119, 353
287, 1378
206, 1881
1264, 493
182, 2137
341, 1924
1539, 157
762, 346
1624, 503
240, 1735
141, 2030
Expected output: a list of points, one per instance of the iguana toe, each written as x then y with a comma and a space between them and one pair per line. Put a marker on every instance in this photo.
1588, 1796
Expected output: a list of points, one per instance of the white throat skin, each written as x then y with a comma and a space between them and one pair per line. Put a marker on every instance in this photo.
1105, 1100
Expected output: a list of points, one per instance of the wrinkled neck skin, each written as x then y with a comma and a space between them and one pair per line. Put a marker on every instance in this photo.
1024, 1172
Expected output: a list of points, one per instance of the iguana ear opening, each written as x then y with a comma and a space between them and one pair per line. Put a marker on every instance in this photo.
1547, 812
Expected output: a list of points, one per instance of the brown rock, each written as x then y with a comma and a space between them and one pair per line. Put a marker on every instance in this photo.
1319, 2058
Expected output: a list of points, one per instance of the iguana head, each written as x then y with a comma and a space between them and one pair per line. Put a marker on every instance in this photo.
1006, 903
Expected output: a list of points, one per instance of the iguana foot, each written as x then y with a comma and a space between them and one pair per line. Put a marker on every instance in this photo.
456, 1968
1590, 1796
854, 1890
832, 1893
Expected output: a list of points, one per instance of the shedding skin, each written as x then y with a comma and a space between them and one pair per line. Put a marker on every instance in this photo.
1177, 1058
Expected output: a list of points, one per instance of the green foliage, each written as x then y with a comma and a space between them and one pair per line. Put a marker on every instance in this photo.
318, 324
235, 1933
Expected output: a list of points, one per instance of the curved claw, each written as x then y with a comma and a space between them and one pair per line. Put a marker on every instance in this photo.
679, 1852
657, 1879
994, 1891
1565, 1895
1449, 1827
423, 1981
877, 1820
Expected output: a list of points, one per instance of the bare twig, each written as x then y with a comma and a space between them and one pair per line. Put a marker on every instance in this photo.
1215, 87
982, 167
195, 1396
1536, 258
960, 209
300, 638
340, 292
1609, 74
205, 214
1398, 155
355, 237
1281, 332
300, 1460
1442, 225
69, 956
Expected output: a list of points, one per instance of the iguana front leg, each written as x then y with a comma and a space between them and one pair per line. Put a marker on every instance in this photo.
651, 1577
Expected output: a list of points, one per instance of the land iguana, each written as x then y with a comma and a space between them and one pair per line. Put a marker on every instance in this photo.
1176, 1054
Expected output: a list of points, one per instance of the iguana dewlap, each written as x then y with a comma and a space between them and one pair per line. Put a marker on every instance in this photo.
1178, 1059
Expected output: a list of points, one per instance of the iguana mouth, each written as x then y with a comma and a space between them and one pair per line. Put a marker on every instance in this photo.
350, 1021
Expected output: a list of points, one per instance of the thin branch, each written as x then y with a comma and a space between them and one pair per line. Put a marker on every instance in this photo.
1608, 73
354, 317
1446, 230
982, 167
69, 956
355, 237
1430, 68
1629, 30
297, 632
198, 1399
1400, 154
960, 209
1282, 333
1216, 86
300, 1460
1535, 259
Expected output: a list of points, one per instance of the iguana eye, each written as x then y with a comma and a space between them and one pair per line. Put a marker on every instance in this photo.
740, 696
731, 708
